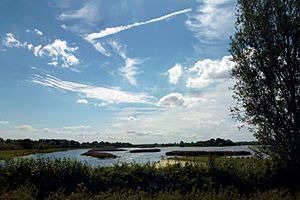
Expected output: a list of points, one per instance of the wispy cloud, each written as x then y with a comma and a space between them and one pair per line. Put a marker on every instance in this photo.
212, 20
93, 92
76, 128
88, 13
26, 127
4, 122
129, 70
38, 32
92, 37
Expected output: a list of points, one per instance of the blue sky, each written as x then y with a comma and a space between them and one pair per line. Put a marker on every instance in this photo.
136, 71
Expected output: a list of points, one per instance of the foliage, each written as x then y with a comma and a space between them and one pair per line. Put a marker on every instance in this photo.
266, 50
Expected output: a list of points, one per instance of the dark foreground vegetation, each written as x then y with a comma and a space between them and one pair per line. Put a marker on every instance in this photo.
98, 154
216, 179
208, 153
144, 150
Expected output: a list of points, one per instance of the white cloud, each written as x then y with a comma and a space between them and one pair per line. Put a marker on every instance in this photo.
173, 100
4, 122
92, 37
210, 72
58, 51
175, 73
54, 63
11, 41
130, 118
26, 127
213, 19
82, 101
94, 92
38, 32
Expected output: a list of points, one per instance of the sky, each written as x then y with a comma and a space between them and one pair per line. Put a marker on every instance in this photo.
132, 71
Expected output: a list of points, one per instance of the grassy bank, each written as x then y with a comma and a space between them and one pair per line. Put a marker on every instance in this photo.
208, 153
8, 154
245, 178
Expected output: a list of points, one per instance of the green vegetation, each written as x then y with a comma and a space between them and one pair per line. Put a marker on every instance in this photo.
101, 155
144, 150
208, 153
8, 154
216, 179
266, 52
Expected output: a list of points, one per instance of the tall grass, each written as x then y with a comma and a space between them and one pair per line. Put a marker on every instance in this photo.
51, 177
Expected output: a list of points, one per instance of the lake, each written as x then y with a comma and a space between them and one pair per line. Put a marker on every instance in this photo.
126, 157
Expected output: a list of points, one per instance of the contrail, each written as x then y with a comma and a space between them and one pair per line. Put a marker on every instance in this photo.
113, 30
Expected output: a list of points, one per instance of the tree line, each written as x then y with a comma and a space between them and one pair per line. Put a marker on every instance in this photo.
10, 144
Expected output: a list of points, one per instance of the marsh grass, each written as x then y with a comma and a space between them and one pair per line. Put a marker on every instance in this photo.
216, 179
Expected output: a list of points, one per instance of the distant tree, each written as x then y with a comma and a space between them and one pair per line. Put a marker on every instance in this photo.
181, 144
266, 50
41, 147
27, 143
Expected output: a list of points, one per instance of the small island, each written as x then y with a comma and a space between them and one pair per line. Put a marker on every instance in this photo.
144, 150
109, 149
97, 154
208, 153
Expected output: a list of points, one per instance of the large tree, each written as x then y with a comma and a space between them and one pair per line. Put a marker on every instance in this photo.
266, 50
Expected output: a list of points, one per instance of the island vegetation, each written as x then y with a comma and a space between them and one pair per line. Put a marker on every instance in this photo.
144, 150
97, 154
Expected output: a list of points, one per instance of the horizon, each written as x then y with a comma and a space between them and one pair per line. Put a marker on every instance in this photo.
141, 72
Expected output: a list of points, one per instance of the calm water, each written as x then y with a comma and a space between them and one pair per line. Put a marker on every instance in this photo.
126, 157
